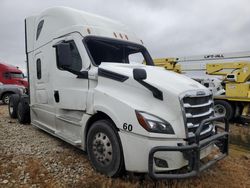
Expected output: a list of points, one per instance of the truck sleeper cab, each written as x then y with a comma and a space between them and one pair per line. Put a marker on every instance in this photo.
88, 86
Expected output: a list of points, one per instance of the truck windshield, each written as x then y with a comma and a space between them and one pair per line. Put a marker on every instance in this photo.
16, 75
110, 50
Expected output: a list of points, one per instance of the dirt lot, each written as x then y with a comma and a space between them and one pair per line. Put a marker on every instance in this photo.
30, 157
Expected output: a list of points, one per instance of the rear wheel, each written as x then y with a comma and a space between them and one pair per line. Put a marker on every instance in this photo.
23, 111
223, 108
104, 148
13, 105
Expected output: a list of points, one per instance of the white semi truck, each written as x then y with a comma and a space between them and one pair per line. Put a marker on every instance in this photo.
88, 87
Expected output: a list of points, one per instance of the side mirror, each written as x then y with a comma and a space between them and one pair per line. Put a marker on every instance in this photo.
63, 55
139, 74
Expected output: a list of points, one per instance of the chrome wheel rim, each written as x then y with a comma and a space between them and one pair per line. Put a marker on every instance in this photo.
102, 148
219, 110
7, 99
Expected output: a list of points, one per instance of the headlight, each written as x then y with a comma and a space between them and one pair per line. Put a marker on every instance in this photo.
153, 123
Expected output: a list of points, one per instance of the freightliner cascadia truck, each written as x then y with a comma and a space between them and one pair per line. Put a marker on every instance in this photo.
89, 87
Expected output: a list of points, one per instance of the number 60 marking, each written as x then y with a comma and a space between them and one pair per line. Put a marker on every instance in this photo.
127, 127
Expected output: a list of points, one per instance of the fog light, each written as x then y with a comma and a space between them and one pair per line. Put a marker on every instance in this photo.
161, 163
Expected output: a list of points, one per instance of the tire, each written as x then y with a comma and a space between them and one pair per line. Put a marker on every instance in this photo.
23, 111
237, 112
13, 105
222, 107
104, 148
6, 98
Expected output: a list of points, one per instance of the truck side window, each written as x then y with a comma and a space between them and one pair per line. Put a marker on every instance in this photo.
76, 58
38, 69
39, 29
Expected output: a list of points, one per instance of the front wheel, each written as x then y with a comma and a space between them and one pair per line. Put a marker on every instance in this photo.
104, 148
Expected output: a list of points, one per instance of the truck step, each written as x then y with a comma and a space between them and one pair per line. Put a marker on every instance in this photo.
68, 139
69, 119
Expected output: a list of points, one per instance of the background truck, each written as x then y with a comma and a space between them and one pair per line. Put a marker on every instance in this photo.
87, 88
229, 81
10, 74
7, 90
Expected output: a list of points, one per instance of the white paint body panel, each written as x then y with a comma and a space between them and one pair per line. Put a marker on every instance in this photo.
82, 98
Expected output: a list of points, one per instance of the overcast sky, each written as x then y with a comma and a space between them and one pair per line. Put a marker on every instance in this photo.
168, 27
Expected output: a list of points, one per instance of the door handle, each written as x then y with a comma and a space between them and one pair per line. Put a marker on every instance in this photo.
56, 96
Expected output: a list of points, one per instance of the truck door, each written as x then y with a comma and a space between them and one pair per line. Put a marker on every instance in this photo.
41, 103
70, 90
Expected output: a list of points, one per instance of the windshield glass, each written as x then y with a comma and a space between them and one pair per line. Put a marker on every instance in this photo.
16, 75
109, 50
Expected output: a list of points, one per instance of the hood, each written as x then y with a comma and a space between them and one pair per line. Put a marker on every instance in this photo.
19, 81
157, 77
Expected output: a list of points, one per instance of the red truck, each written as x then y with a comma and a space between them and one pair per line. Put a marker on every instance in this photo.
10, 74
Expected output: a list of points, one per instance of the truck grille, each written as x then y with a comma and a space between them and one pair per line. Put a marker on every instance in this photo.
196, 100
197, 108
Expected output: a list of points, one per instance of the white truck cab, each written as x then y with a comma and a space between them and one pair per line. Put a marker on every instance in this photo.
88, 86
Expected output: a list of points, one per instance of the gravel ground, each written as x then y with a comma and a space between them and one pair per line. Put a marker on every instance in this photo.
30, 157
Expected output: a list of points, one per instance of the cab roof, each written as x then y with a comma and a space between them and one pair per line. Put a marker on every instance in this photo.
9, 68
59, 21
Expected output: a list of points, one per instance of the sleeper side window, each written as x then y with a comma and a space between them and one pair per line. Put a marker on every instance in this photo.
38, 69
39, 29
